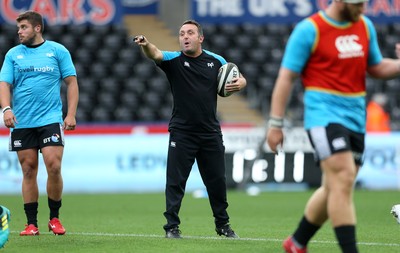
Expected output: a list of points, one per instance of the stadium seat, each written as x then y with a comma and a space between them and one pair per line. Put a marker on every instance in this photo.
114, 42
144, 70
106, 99
235, 55
130, 99
110, 85
99, 70
244, 42
129, 56
121, 70
101, 114
134, 84
106, 56
124, 114
82, 55
145, 113
92, 42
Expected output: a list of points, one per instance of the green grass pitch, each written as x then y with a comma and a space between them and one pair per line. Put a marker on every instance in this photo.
133, 223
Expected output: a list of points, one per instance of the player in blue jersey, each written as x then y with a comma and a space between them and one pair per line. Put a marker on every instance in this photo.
34, 72
331, 51
195, 132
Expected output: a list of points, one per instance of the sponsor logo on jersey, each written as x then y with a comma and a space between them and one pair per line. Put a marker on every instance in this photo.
348, 46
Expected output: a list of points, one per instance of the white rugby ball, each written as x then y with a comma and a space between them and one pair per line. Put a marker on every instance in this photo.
226, 73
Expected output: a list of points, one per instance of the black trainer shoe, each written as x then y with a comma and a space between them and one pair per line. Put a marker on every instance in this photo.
227, 231
173, 233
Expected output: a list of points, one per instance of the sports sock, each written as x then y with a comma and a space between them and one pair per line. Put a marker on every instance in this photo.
346, 236
54, 208
304, 232
31, 210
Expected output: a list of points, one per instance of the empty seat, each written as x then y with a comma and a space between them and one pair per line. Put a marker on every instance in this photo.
130, 99
69, 41
134, 84
114, 42
84, 56
100, 30
165, 113
87, 84
234, 55
91, 42
121, 70
219, 42
106, 99
86, 101
124, 114
229, 29
158, 84
109, 84
106, 56
144, 70
145, 113
98, 70
258, 55
101, 114
128, 56
153, 99
271, 68
244, 42
250, 29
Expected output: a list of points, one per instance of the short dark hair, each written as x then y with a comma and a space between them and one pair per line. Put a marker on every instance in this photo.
197, 24
33, 18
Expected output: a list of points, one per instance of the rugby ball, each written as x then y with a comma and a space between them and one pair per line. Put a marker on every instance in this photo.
226, 73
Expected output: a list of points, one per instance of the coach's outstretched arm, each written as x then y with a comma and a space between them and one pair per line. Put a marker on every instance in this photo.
149, 49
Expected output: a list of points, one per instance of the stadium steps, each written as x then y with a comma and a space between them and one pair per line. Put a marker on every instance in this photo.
231, 110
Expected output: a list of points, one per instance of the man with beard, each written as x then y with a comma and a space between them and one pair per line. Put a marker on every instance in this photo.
332, 51
34, 71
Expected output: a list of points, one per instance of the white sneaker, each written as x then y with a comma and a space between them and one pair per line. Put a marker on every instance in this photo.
396, 212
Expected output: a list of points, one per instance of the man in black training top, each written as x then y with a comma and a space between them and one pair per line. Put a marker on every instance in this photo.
195, 132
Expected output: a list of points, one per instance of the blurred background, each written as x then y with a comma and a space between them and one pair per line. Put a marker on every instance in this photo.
120, 143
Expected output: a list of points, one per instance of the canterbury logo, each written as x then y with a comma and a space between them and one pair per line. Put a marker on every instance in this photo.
348, 46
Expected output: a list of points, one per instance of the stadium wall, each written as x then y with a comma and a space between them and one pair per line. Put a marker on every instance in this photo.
132, 158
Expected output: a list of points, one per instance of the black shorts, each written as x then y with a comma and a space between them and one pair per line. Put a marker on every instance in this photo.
37, 137
335, 138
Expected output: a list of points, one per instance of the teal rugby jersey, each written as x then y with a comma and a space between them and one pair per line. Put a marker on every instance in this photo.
36, 74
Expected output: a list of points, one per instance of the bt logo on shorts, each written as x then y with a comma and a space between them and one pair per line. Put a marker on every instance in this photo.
53, 138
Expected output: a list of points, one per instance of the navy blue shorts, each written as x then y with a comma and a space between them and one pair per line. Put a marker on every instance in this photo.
335, 138
37, 137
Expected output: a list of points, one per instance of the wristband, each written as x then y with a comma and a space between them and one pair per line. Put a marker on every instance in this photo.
6, 108
275, 122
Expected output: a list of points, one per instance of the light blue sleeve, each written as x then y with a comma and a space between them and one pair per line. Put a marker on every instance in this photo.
299, 46
217, 56
169, 55
374, 54
7, 70
67, 67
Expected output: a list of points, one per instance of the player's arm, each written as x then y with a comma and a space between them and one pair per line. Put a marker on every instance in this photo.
379, 67
386, 69
5, 102
72, 100
280, 95
149, 49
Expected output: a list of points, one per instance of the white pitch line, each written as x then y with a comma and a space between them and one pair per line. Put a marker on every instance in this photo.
215, 238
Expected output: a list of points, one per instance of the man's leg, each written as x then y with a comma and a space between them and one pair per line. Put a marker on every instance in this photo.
52, 156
